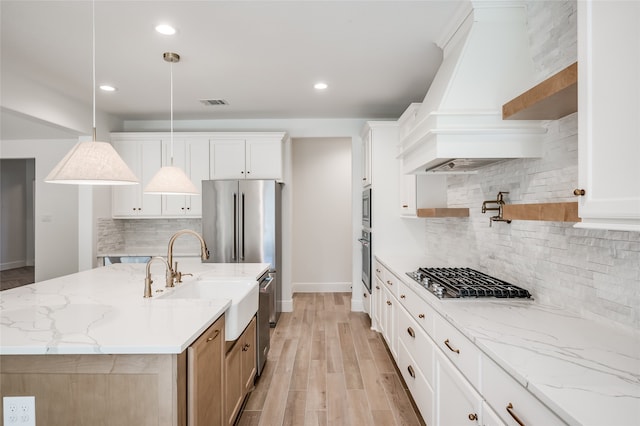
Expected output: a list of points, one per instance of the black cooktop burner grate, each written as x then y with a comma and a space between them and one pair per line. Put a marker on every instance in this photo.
465, 282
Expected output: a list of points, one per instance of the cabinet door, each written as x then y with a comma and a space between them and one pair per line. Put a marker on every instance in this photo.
390, 322
366, 158
458, 403
145, 159
192, 156
379, 305
608, 111
264, 159
366, 302
227, 159
233, 383
205, 377
249, 356
408, 195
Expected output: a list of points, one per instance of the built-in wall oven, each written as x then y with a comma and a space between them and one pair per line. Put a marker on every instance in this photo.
365, 240
366, 208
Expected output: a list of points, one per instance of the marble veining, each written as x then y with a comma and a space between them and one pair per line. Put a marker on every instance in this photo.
587, 372
102, 311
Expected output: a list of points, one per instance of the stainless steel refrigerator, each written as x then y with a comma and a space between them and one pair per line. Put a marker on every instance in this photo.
241, 223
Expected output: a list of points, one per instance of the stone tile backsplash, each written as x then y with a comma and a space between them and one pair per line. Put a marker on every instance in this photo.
146, 236
595, 273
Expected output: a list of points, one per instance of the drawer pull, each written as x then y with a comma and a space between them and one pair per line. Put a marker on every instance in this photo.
365, 295
377, 287
421, 316
402, 296
378, 270
389, 282
214, 336
411, 332
411, 372
513, 414
446, 342
473, 417
389, 302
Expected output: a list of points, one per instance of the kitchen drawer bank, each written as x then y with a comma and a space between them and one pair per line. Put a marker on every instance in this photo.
492, 361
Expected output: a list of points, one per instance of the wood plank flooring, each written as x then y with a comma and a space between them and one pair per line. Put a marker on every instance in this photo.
326, 367
16, 277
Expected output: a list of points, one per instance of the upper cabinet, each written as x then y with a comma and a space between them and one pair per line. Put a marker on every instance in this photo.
202, 156
608, 114
366, 157
144, 157
192, 156
255, 156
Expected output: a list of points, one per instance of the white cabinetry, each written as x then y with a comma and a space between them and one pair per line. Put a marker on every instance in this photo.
192, 156
366, 157
458, 403
511, 401
247, 157
608, 112
143, 156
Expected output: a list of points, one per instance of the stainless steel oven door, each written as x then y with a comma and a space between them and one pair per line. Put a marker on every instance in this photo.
366, 259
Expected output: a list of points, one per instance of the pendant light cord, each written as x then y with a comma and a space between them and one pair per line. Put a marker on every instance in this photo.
171, 63
93, 58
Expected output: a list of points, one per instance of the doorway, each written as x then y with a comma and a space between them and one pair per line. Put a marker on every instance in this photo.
17, 225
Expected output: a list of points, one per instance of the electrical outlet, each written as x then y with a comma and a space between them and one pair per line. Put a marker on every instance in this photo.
19, 410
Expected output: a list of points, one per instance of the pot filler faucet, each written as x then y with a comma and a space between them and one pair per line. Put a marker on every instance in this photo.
175, 275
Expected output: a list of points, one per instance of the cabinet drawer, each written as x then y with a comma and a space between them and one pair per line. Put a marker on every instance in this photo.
391, 282
417, 342
458, 403
380, 271
419, 310
460, 350
510, 400
417, 383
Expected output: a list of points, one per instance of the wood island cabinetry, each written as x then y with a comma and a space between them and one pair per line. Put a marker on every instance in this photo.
240, 368
137, 389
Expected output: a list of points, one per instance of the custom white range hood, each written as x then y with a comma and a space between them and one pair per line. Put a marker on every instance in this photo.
486, 62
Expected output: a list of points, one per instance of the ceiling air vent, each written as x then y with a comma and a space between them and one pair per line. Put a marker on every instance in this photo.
211, 102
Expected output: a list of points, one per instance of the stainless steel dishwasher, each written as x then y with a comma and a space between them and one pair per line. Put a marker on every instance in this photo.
267, 288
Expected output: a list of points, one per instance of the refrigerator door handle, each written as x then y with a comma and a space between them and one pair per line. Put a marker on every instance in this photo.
242, 224
235, 226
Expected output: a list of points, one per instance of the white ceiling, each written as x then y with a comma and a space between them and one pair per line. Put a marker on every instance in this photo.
263, 57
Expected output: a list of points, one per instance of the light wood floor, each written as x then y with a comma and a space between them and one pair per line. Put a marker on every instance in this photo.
326, 367
17, 277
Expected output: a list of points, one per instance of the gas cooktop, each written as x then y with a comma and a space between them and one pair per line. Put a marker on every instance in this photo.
465, 283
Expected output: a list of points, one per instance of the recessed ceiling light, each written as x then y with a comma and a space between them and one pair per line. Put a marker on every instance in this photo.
320, 86
107, 88
165, 29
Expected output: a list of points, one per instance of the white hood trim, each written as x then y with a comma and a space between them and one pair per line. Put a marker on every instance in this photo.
486, 63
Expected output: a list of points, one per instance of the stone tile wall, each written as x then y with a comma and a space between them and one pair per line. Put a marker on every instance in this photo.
593, 272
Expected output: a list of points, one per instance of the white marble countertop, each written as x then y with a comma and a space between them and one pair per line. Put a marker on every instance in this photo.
102, 311
588, 373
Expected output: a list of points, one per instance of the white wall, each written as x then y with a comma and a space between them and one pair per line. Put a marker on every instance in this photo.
321, 204
56, 207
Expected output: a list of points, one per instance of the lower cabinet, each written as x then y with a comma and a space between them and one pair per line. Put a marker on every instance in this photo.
205, 367
240, 363
458, 403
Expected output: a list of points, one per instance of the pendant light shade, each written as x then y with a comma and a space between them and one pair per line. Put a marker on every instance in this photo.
171, 180
92, 163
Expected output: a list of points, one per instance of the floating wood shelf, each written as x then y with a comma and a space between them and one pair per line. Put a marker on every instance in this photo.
443, 212
558, 212
552, 99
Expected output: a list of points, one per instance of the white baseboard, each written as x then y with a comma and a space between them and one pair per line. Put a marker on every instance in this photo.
286, 305
344, 287
357, 305
12, 265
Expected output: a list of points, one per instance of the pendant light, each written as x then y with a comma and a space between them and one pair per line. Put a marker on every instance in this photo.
92, 163
171, 180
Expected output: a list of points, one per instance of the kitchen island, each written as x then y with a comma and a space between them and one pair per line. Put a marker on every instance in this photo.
582, 371
94, 351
